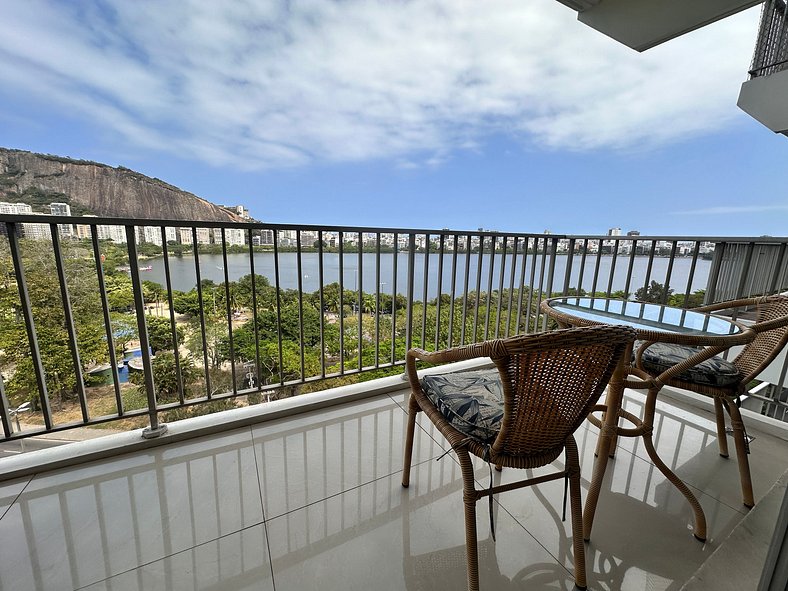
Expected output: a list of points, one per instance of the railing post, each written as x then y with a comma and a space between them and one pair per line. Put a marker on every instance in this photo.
411, 275
155, 429
32, 335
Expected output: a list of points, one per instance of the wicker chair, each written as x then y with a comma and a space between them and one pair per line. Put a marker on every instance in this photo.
548, 383
725, 381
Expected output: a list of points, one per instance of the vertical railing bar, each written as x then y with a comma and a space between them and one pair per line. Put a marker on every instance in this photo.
597, 265
394, 266
258, 369
359, 291
173, 326
441, 253
410, 288
501, 274
714, 272
550, 275
68, 318
773, 286
201, 301
155, 429
532, 282
490, 272
616, 245
107, 319
321, 298
521, 285
669, 272
541, 285
299, 269
341, 302
568, 272
5, 415
32, 335
277, 285
632, 255
467, 286
377, 299
512, 272
479, 264
650, 265
228, 308
691, 277
425, 293
744, 270
580, 289
453, 289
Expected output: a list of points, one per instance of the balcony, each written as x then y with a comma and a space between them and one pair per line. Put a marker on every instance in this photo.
315, 499
304, 489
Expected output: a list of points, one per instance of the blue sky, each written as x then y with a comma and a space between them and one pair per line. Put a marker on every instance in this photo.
435, 114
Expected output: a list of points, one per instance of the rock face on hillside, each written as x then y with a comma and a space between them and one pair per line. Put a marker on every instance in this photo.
101, 189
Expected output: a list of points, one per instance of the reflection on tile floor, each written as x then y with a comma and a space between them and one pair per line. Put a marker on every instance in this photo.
316, 500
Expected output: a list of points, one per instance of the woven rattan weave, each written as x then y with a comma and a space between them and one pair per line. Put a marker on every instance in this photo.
550, 383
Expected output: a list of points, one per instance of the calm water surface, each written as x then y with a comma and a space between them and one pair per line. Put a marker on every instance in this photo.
183, 276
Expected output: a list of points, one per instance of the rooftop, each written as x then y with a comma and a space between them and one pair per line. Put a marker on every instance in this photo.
316, 498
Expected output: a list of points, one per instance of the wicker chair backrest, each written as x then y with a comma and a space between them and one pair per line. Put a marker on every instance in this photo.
550, 383
757, 354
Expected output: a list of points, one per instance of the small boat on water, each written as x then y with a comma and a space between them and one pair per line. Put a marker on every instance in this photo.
128, 269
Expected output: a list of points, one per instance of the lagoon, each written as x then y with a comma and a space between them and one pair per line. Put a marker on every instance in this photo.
183, 276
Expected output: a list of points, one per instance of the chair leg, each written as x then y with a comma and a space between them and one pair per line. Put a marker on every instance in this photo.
573, 466
741, 454
413, 409
469, 498
722, 437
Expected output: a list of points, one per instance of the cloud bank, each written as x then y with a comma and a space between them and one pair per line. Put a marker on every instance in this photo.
281, 84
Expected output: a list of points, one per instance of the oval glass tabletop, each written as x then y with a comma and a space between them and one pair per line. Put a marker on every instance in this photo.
645, 316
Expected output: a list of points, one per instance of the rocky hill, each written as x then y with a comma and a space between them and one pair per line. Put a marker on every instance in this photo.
90, 187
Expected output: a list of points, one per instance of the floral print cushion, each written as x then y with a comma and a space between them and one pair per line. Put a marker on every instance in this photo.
471, 401
715, 372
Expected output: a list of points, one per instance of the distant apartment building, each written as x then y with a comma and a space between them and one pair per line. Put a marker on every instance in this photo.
33, 231
266, 237
152, 234
633, 233
65, 230
232, 236
238, 210
614, 232
203, 235
114, 233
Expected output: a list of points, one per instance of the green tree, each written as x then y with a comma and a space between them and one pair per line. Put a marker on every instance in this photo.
654, 293
166, 377
160, 333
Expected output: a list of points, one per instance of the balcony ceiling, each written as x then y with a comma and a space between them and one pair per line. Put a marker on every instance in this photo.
642, 24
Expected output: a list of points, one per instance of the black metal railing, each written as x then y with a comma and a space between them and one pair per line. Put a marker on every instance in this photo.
771, 48
116, 322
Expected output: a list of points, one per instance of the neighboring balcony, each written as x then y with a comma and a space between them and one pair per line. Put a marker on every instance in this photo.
296, 482
642, 24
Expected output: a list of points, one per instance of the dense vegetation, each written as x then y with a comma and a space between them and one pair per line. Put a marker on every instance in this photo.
281, 342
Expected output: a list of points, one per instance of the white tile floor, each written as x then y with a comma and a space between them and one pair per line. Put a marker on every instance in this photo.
315, 501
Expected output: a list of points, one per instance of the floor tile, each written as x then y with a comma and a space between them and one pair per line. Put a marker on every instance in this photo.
308, 458
236, 562
381, 536
80, 525
686, 440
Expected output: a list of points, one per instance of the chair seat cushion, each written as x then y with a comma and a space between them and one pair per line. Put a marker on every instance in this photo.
471, 401
715, 372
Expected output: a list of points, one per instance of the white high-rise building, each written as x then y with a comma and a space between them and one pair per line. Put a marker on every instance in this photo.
65, 230
233, 236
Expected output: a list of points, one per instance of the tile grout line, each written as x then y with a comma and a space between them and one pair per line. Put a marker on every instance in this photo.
262, 508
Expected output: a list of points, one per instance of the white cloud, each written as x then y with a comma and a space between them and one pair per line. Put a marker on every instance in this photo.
265, 84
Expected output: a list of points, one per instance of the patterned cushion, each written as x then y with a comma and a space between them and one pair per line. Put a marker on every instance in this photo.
471, 401
715, 372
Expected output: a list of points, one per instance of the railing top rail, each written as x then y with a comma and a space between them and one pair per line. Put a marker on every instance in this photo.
82, 220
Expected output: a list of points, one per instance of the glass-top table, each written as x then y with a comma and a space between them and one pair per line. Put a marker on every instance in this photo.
653, 323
